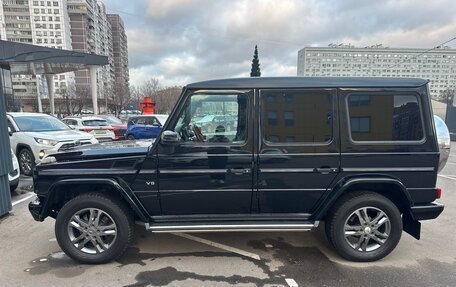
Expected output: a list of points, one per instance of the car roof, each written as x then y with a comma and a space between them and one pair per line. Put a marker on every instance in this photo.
22, 114
151, 115
308, 82
85, 118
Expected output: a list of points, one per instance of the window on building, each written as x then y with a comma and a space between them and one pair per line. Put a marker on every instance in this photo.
387, 118
289, 118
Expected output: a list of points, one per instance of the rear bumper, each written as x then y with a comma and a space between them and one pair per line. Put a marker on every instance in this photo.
428, 211
36, 208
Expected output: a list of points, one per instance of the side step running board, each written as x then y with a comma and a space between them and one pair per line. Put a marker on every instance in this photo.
160, 228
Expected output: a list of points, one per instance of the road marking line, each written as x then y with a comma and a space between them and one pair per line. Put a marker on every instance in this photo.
291, 282
219, 245
23, 199
447, 176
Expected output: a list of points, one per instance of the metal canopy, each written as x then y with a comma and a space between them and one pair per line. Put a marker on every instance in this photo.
33, 60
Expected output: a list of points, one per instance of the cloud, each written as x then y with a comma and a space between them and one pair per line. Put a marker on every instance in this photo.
191, 40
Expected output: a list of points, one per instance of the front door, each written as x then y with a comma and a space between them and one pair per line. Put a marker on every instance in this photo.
298, 154
210, 170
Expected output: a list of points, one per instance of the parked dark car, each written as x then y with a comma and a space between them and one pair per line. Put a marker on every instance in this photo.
119, 128
145, 126
360, 154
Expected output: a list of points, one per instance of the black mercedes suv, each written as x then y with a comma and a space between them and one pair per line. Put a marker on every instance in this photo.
360, 154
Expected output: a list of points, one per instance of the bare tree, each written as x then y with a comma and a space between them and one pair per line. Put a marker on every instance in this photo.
446, 96
135, 96
121, 96
165, 99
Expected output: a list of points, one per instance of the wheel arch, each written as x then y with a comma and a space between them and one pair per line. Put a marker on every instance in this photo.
391, 188
21, 146
65, 189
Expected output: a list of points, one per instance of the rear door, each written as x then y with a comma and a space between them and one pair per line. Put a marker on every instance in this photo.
298, 155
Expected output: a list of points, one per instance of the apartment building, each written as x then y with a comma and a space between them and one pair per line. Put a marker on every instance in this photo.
120, 53
43, 23
437, 65
79, 25
91, 33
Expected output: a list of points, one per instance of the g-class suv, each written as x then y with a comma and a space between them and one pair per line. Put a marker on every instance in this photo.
360, 154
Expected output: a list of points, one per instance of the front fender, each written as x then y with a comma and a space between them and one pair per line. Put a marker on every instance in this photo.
117, 184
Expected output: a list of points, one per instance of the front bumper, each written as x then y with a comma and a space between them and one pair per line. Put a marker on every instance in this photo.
36, 208
428, 211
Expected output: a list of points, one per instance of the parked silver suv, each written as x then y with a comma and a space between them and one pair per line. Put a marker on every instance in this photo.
33, 135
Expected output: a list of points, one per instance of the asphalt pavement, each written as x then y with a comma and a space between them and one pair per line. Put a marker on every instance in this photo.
31, 256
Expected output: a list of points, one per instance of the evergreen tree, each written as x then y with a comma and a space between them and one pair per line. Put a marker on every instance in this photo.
255, 72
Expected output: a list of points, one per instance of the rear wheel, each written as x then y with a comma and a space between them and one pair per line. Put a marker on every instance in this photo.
26, 161
92, 228
364, 226
130, 137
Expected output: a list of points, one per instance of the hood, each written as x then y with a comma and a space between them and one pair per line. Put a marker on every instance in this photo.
105, 150
65, 135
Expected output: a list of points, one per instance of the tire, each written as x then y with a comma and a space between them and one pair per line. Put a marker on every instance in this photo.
115, 220
26, 161
13, 187
130, 137
357, 237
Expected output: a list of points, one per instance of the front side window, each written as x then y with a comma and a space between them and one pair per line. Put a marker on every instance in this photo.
296, 116
383, 117
214, 117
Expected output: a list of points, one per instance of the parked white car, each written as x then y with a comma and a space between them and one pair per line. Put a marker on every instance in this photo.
96, 126
13, 176
34, 135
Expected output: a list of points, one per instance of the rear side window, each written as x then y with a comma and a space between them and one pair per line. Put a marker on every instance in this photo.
385, 118
95, 123
296, 116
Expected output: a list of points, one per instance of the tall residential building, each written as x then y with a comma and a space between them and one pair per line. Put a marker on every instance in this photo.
120, 53
438, 65
79, 25
43, 23
91, 33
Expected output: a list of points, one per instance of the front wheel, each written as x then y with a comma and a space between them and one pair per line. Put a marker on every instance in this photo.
26, 161
94, 229
364, 226
130, 137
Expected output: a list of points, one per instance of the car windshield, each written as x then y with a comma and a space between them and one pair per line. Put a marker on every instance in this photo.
113, 120
40, 124
94, 123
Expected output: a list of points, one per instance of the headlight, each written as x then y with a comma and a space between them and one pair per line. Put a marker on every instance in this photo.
93, 140
46, 141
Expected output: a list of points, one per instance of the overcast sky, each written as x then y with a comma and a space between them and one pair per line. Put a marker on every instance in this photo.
184, 41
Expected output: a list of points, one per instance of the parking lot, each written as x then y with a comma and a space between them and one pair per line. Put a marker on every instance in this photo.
32, 257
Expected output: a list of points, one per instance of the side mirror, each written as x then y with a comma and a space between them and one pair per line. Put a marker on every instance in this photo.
10, 132
170, 138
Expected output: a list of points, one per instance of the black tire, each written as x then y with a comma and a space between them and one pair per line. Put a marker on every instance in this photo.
26, 161
351, 247
118, 213
130, 137
13, 187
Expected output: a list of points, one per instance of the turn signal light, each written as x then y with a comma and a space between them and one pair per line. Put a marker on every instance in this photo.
439, 192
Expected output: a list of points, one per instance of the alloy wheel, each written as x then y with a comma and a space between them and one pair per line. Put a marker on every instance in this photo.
26, 162
92, 231
367, 229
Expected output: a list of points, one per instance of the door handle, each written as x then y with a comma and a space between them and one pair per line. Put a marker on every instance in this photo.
239, 171
326, 170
